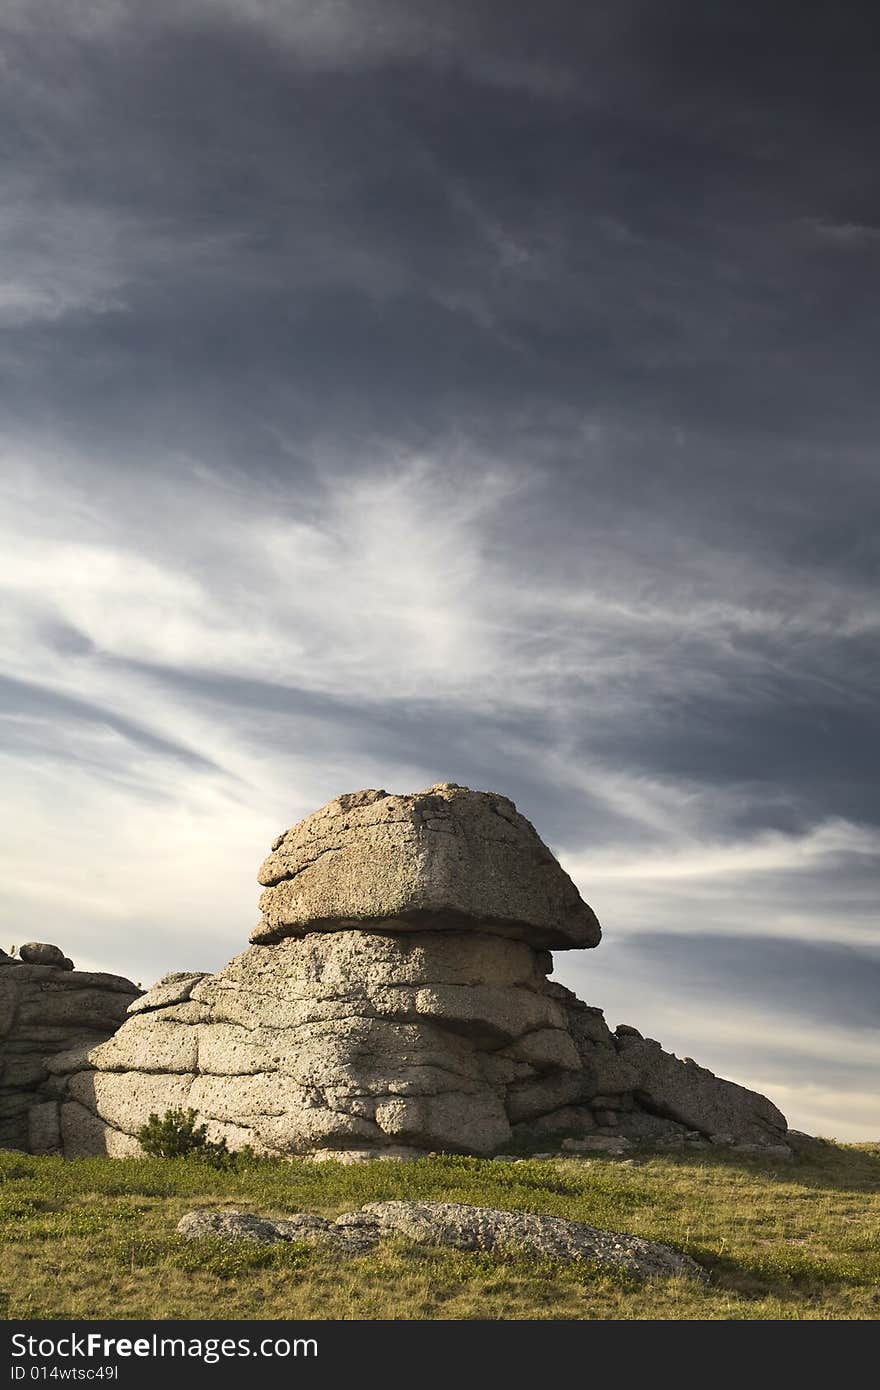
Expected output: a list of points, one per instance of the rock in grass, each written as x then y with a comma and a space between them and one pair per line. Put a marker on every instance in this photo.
229, 1225
483, 1228
456, 1226
260, 1230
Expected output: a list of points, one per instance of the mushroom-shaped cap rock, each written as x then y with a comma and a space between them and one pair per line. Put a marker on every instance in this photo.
444, 858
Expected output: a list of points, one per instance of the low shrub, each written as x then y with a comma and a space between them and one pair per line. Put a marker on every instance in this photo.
176, 1135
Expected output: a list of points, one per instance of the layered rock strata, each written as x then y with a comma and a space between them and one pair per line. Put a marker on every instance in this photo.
396, 1000
48, 1008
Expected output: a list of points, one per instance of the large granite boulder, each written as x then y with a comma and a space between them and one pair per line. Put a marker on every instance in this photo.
447, 858
396, 1000
48, 1008
334, 1040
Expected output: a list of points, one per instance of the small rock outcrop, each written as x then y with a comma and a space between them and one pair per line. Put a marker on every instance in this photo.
48, 1009
456, 1226
41, 953
396, 1000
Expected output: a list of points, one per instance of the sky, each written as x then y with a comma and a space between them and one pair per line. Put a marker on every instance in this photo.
404, 391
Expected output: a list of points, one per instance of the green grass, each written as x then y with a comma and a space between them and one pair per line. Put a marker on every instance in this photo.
96, 1238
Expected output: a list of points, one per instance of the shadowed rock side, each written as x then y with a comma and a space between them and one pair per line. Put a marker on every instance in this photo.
411, 1012
47, 1008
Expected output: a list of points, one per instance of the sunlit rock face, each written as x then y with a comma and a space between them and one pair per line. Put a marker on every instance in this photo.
445, 859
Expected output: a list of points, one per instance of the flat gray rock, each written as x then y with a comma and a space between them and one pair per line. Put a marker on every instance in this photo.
444, 858
597, 1143
301, 1227
458, 1227
229, 1225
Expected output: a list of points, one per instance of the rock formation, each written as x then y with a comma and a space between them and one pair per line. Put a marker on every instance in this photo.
47, 1008
396, 1000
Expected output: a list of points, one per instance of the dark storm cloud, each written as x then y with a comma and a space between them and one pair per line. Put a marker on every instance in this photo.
417, 238
779, 738
402, 391
824, 983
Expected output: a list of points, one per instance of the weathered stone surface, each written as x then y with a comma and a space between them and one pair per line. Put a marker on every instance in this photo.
476, 1124
14, 1132
125, 1101
70, 1007
41, 953
555, 1124
539, 1095
24, 1072
44, 1128
606, 1119
76, 1058
14, 1103
346, 1039
364, 1040
393, 1154
483, 1228
444, 858
459, 1227
152, 1044
301, 1227
232, 1225
175, 988
646, 1128
697, 1099
84, 1135
766, 1150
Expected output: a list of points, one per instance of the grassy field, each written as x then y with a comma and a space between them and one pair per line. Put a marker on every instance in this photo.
781, 1239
